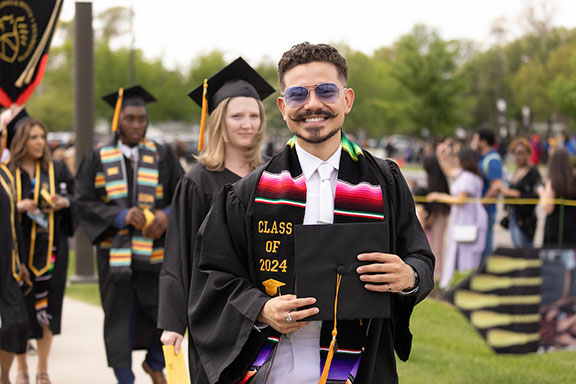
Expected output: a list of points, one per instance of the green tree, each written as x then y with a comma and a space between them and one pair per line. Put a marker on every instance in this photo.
426, 67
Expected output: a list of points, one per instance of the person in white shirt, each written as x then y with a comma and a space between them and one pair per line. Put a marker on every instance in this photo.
247, 323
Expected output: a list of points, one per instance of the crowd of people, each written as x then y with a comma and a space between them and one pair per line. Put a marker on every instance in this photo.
216, 250
464, 183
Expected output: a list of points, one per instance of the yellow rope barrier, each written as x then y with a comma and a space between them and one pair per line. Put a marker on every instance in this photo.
497, 200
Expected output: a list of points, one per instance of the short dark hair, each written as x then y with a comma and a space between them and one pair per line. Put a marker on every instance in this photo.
487, 135
305, 53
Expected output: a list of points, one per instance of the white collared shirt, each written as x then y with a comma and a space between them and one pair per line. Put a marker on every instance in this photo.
130, 152
297, 358
309, 164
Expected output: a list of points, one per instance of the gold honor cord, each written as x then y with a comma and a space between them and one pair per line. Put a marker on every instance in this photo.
203, 116
496, 200
10, 192
499, 338
504, 264
34, 225
489, 319
468, 300
117, 109
26, 76
489, 282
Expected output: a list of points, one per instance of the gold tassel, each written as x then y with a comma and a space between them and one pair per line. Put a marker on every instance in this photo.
203, 116
332, 348
117, 110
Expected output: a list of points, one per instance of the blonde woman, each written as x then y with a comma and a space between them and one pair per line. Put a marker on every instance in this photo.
236, 131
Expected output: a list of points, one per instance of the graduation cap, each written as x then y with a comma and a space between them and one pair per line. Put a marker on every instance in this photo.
12, 128
235, 80
326, 263
135, 96
272, 286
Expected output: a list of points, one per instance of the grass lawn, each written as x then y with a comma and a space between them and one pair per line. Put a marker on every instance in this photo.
86, 292
446, 349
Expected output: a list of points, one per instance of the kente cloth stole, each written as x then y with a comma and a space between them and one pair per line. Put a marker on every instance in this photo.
41, 239
123, 247
279, 205
7, 182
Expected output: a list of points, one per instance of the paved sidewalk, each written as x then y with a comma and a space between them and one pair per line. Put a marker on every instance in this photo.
78, 355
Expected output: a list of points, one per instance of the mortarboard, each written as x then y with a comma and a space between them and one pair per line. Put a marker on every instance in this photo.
323, 252
272, 286
235, 80
12, 127
326, 262
133, 96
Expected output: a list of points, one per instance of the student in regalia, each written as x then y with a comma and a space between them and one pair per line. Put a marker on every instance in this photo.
14, 277
124, 190
44, 195
307, 269
236, 131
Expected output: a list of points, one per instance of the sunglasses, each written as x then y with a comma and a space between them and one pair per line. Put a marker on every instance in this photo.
325, 92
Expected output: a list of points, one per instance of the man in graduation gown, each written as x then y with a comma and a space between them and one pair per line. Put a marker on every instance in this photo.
246, 321
124, 191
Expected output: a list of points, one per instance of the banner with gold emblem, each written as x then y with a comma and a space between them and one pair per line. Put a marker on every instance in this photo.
522, 300
26, 31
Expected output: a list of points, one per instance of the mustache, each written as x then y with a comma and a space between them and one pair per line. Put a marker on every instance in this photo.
303, 115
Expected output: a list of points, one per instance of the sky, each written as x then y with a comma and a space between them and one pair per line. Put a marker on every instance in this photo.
177, 31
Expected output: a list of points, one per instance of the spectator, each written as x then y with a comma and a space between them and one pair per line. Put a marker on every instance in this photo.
561, 184
490, 165
522, 218
461, 255
437, 219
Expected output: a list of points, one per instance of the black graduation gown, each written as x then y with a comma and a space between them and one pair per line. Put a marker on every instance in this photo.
117, 295
63, 228
190, 204
13, 332
224, 301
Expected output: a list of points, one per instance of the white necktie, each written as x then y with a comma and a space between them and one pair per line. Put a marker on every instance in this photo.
326, 197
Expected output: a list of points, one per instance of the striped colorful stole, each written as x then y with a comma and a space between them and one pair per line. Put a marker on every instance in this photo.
128, 246
280, 203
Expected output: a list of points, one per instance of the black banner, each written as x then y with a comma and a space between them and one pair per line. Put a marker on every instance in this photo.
26, 31
522, 300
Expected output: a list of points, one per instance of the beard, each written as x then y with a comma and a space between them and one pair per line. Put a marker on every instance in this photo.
315, 137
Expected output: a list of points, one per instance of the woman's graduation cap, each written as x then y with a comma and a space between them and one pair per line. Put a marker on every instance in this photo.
237, 79
135, 96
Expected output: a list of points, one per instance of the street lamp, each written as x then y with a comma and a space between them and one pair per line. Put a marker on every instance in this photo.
501, 108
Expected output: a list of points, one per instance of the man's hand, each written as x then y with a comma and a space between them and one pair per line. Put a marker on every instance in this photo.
388, 273
27, 205
172, 338
135, 217
275, 312
158, 226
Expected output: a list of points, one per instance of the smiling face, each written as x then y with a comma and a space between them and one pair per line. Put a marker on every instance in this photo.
242, 122
316, 123
133, 123
36, 143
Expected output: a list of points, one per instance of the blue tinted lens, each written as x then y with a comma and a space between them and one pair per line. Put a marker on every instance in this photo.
295, 96
328, 92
